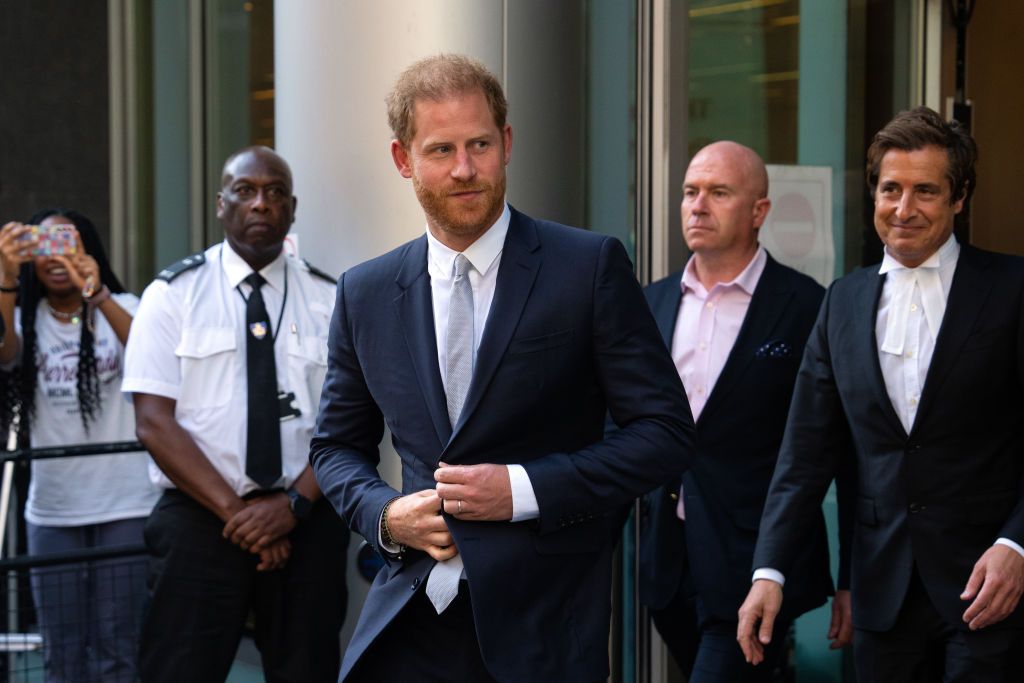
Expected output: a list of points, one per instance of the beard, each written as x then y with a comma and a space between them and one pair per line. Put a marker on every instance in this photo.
458, 218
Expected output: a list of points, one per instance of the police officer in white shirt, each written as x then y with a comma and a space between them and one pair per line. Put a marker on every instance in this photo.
225, 366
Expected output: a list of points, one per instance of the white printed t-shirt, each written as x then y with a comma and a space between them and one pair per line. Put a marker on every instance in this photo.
87, 489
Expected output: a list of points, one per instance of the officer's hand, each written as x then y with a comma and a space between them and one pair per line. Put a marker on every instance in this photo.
762, 605
995, 586
262, 521
275, 555
475, 492
415, 521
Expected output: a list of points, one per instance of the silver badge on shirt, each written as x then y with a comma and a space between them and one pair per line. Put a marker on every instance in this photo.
258, 330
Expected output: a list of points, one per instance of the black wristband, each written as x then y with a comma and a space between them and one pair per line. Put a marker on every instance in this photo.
300, 506
10, 290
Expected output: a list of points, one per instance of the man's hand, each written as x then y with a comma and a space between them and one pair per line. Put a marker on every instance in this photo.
415, 521
262, 521
840, 631
475, 492
762, 605
995, 586
275, 555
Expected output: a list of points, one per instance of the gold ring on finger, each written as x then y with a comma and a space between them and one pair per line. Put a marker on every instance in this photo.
460, 507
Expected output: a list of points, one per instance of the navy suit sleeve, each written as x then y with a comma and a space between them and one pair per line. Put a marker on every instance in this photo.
349, 425
645, 399
813, 447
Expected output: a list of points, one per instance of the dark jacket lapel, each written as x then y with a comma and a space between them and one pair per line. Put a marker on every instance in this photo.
770, 299
666, 311
415, 308
865, 304
520, 261
967, 293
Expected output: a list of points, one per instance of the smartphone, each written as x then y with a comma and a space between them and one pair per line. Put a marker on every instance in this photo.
54, 240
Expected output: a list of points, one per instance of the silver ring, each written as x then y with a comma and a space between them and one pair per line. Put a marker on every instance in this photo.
460, 507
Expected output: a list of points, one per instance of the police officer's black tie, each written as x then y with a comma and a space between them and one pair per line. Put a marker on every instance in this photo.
263, 425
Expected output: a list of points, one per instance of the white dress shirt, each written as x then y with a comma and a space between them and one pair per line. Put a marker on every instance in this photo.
484, 255
910, 311
188, 344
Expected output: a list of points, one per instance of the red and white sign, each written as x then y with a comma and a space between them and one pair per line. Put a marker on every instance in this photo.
798, 230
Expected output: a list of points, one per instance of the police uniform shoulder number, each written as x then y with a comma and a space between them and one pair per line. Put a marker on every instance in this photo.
175, 269
316, 272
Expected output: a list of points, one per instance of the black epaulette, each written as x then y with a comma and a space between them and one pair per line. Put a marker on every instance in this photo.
175, 269
313, 270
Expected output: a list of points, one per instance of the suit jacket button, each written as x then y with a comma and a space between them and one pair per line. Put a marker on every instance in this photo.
917, 507
674, 496
416, 583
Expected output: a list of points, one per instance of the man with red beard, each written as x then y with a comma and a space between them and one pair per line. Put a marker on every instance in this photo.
492, 348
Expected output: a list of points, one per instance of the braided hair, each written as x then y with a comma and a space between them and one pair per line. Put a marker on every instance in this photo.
19, 392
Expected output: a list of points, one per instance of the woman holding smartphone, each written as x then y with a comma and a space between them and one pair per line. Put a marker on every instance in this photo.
66, 321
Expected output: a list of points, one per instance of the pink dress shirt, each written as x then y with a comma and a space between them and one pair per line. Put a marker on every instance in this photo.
706, 329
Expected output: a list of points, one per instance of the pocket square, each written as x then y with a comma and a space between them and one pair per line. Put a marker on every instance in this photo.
774, 349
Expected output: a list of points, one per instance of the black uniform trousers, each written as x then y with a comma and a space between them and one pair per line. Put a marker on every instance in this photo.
202, 588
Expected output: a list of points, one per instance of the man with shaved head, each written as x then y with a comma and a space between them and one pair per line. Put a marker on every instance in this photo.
736, 322
224, 364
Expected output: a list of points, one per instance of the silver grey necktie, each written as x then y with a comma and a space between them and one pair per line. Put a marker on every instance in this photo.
459, 347
443, 582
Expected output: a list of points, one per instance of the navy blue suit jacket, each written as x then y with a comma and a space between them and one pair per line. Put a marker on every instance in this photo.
568, 336
938, 497
739, 432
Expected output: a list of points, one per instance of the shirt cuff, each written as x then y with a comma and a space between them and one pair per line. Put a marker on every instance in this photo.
770, 574
1011, 544
524, 500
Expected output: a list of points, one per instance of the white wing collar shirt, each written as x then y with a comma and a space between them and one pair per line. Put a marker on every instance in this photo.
188, 344
910, 312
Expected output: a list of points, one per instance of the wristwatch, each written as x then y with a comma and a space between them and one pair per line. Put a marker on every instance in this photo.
299, 504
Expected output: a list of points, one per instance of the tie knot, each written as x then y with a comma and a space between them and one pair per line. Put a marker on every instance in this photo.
255, 280
462, 265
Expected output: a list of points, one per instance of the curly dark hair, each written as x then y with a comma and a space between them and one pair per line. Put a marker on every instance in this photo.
19, 390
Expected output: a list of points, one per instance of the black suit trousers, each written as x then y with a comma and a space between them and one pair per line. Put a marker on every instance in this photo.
922, 647
422, 645
705, 647
203, 587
